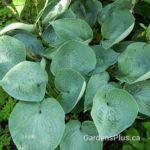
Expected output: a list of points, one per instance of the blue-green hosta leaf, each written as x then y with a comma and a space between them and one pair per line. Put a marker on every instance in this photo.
134, 64
31, 43
87, 10
74, 55
141, 92
95, 83
65, 29
37, 126
116, 27
19, 5
72, 29
72, 85
112, 7
18, 25
105, 58
76, 136
26, 81
53, 12
113, 111
12, 52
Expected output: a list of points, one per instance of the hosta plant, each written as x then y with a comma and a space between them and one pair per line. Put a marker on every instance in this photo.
72, 61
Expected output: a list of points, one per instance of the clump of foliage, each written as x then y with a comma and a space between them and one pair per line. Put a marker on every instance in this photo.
71, 82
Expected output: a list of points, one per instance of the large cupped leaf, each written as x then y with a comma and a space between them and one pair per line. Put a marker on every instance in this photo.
72, 85
79, 136
105, 58
116, 22
31, 43
12, 52
95, 83
141, 92
113, 111
37, 126
72, 28
116, 27
74, 55
26, 81
113, 7
65, 29
133, 63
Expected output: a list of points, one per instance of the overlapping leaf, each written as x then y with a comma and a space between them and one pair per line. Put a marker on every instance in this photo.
106, 12
113, 111
51, 37
74, 55
87, 10
141, 93
116, 22
31, 43
65, 29
95, 83
37, 125
77, 136
26, 81
72, 28
105, 58
72, 85
133, 63
117, 27
12, 52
